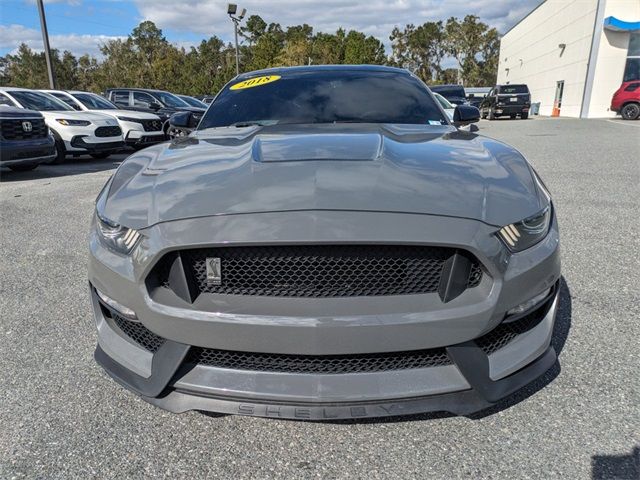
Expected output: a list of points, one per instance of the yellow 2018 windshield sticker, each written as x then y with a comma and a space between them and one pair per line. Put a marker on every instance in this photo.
255, 82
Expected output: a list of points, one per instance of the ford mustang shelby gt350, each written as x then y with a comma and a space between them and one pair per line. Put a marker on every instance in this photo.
326, 244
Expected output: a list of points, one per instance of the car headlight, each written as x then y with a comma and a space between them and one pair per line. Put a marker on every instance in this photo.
117, 237
129, 119
526, 233
74, 123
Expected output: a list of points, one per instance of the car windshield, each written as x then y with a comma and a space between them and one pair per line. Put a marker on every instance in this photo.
42, 102
509, 89
443, 101
194, 102
324, 96
170, 100
94, 102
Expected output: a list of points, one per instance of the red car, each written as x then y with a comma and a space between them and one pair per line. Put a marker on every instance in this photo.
626, 100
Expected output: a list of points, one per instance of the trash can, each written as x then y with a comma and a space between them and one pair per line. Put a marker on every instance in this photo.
535, 108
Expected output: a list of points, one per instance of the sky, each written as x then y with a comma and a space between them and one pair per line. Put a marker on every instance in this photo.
82, 25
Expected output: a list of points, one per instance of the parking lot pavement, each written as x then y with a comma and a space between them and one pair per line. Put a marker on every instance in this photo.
61, 416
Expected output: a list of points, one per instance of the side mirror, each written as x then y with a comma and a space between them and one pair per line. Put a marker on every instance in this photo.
471, 95
155, 106
465, 114
180, 119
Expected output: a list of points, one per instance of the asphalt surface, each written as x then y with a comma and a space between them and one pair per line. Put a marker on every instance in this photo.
62, 417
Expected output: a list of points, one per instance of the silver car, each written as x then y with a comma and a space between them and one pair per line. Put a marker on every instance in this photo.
326, 244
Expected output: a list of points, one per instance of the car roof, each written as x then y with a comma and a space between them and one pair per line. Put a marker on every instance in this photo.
15, 89
136, 89
322, 68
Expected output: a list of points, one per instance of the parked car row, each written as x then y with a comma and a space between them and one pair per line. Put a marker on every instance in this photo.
41, 126
161, 103
501, 100
514, 100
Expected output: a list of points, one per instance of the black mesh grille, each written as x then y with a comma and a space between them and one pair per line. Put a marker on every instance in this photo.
138, 333
151, 125
504, 333
108, 131
14, 129
320, 270
325, 364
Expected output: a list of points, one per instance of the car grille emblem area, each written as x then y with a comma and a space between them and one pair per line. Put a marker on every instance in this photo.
26, 126
214, 271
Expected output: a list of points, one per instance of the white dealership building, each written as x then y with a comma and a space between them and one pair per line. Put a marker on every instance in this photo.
573, 54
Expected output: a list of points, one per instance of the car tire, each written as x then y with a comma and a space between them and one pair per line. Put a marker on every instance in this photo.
61, 153
23, 168
524, 116
100, 155
630, 111
513, 116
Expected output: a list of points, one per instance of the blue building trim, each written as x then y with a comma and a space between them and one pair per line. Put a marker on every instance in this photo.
617, 25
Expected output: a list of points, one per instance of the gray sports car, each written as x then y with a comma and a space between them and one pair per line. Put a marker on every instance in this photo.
326, 244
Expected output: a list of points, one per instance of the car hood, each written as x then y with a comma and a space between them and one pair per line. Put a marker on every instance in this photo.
436, 170
96, 118
128, 113
15, 112
185, 109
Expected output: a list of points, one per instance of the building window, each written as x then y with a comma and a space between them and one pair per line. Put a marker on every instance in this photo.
632, 68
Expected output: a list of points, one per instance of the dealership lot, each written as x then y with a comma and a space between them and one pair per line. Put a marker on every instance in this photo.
62, 416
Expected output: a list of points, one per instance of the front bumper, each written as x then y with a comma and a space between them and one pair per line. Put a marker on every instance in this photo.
81, 143
511, 109
21, 152
472, 380
136, 138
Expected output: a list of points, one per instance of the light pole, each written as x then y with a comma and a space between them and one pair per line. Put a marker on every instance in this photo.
47, 48
232, 8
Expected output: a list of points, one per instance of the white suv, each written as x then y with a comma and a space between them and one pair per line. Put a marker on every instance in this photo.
140, 129
76, 133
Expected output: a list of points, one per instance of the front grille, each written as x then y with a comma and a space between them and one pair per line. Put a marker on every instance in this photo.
320, 364
151, 125
319, 271
112, 131
13, 129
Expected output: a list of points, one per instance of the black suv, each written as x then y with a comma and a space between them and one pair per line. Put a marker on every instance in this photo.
506, 100
164, 104
454, 93
24, 139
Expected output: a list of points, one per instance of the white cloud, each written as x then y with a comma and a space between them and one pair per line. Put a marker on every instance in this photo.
373, 17
11, 36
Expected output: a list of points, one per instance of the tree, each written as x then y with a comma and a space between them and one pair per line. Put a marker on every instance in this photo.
147, 59
267, 48
253, 29
328, 48
360, 49
475, 47
420, 49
